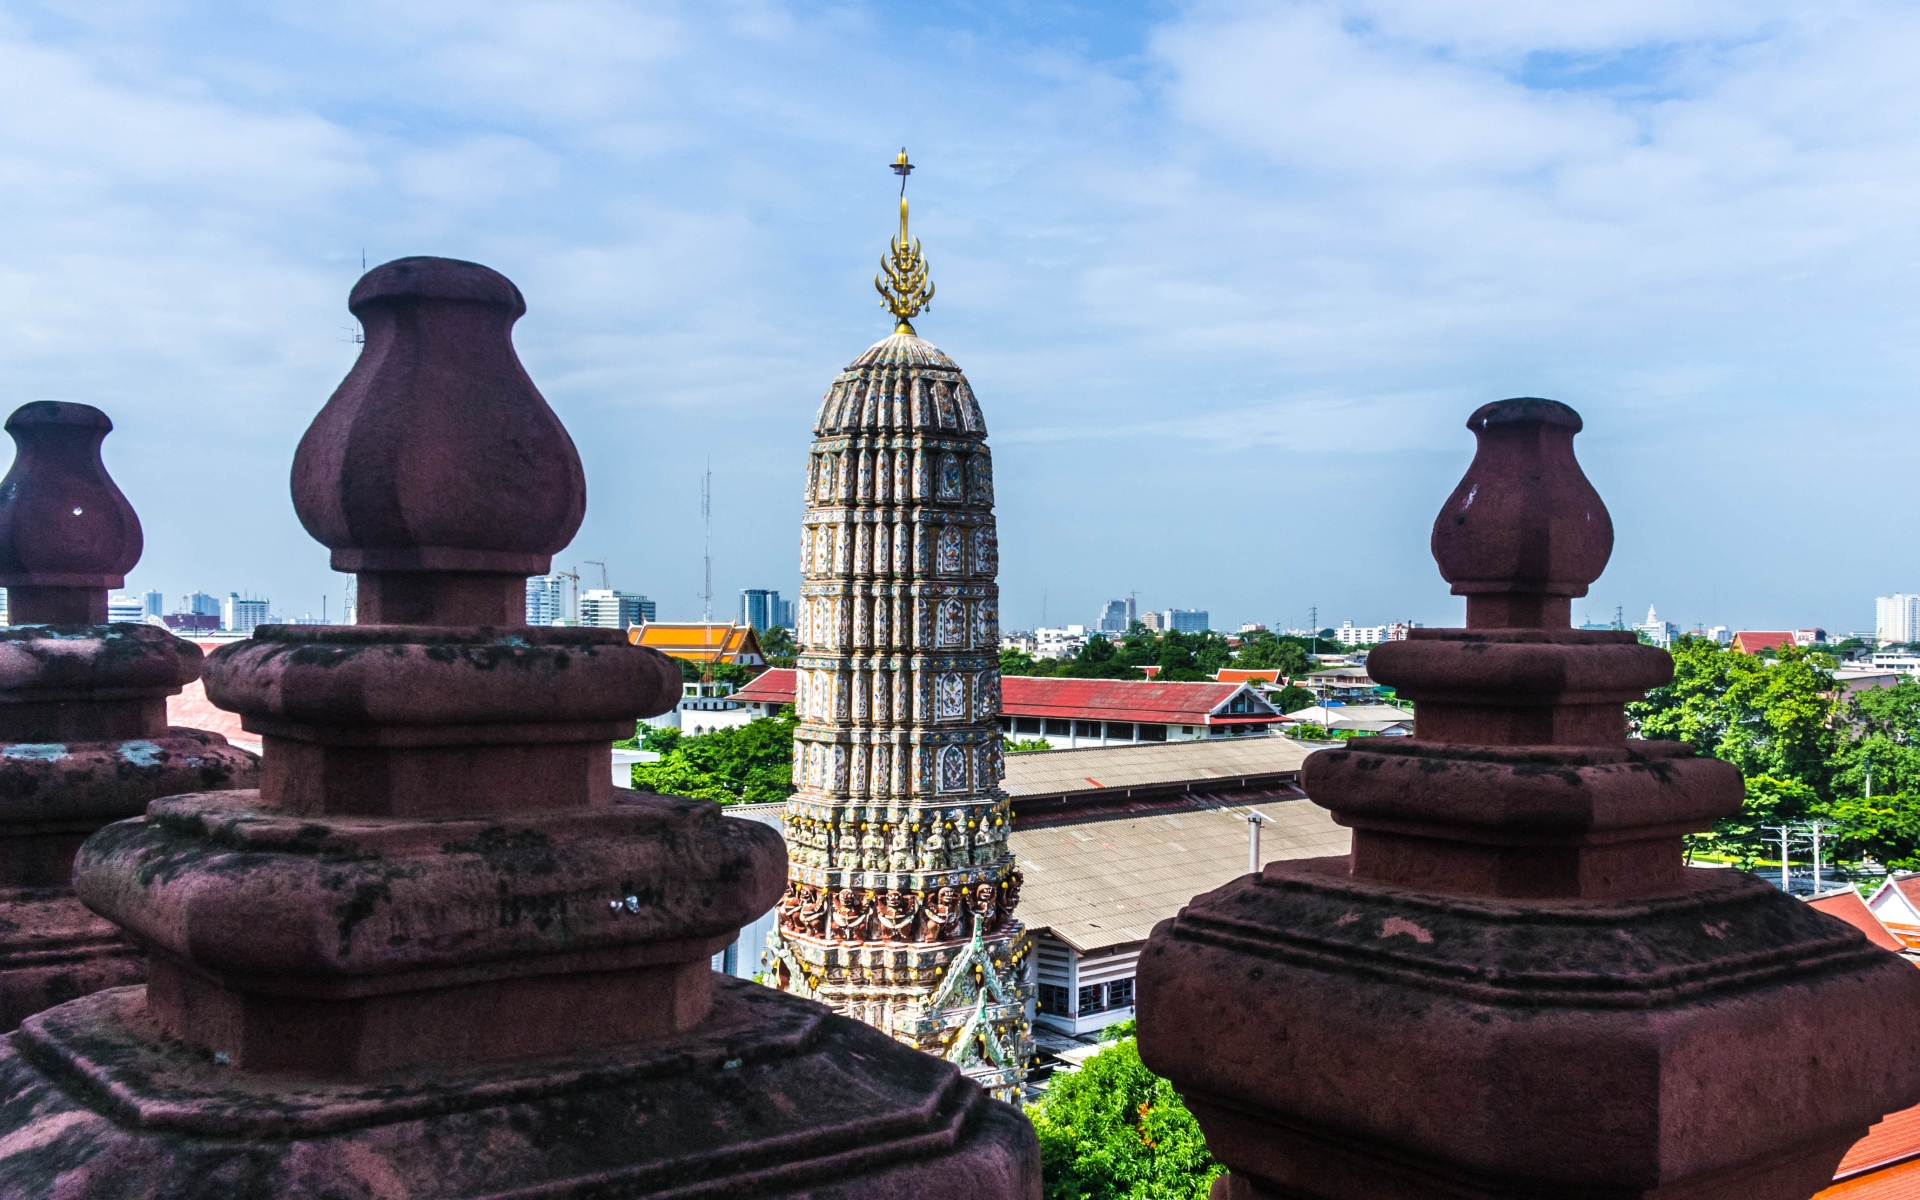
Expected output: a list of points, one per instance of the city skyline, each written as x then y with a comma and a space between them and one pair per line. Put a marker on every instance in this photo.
1234, 359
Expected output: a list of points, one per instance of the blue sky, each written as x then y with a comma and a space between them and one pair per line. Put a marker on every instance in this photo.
1227, 278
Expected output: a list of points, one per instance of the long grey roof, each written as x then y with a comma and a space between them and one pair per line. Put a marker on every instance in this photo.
1052, 772
1103, 876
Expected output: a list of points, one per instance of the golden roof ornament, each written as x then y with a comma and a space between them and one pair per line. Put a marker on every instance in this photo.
906, 291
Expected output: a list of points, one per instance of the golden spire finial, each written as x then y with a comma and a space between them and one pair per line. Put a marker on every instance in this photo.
906, 291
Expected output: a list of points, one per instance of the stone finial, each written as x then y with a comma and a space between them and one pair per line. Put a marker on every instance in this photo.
66, 532
1504, 986
436, 470
1524, 532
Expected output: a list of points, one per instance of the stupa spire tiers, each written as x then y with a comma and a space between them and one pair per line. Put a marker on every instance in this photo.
438, 953
83, 707
900, 905
1513, 987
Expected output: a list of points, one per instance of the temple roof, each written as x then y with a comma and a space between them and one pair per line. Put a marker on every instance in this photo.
902, 350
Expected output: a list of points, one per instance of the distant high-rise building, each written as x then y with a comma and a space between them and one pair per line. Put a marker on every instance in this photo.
1113, 618
6, 615
1133, 611
1896, 618
125, 606
762, 609
239, 614
1350, 634
611, 609
153, 604
1153, 620
547, 600
201, 604
1187, 620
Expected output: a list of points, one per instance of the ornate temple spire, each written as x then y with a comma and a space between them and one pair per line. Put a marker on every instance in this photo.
901, 893
906, 292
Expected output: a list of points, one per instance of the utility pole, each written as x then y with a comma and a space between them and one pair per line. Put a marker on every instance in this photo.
1784, 831
1816, 827
1313, 626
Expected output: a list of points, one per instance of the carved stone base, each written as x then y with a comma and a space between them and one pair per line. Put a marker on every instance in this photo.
1399, 1044
771, 1096
53, 950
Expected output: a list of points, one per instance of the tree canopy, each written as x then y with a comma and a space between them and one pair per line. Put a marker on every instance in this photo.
1114, 1130
745, 764
1807, 750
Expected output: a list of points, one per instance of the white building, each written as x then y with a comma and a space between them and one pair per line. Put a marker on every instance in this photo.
610, 609
1659, 632
1350, 634
1896, 618
547, 600
1062, 642
1904, 661
239, 615
126, 607
705, 707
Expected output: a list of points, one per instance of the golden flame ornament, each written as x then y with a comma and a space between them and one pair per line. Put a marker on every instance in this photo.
905, 291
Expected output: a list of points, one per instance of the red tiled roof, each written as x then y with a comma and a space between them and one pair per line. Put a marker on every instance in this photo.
1907, 888
772, 686
1749, 641
1849, 907
1884, 1165
1087, 699
192, 709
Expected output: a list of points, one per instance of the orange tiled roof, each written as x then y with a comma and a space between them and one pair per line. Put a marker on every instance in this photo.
1245, 675
1849, 907
701, 641
1884, 1165
1750, 641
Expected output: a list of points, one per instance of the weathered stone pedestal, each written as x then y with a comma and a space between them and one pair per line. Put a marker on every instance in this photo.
436, 955
1513, 987
83, 731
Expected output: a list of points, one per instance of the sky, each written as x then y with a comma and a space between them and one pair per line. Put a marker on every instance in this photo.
1226, 278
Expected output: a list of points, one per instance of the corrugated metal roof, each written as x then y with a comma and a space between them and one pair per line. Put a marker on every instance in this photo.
1896, 1183
1103, 877
1053, 772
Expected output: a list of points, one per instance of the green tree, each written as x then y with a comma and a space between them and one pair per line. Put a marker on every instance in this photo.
1293, 699
1775, 719
745, 764
1025, 745
1265, 652
1114, 1129
1098, 659
776, 642
723, 672
1018, 662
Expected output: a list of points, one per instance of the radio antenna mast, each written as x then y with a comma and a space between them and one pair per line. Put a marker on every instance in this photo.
706, 518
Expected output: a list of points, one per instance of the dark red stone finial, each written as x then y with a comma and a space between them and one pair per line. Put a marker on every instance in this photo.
66, 532
436, 471
1514, 985
1524, 532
